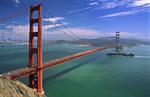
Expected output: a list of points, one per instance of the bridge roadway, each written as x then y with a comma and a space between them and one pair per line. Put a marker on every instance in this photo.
23, 72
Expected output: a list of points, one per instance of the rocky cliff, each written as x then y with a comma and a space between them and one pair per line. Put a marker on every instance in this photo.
10, 88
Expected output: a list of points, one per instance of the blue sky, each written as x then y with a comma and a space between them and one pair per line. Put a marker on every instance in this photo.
93, 18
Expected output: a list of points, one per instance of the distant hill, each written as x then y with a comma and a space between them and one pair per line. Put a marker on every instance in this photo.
111, 40
104, 41
93, 42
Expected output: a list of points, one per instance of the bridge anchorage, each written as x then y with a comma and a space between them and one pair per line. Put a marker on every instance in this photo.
119, 48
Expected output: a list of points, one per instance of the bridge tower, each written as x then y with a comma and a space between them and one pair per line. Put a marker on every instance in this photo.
117, 42
35, 48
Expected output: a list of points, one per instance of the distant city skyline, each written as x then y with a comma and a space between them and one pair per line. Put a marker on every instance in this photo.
92, 18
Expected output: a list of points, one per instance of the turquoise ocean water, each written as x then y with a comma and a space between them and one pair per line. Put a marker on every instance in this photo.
96, 75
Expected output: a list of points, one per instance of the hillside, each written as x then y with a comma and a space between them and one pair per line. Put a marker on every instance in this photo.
16, 89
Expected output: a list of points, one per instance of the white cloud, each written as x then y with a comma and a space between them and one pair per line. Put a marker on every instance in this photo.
140, 3
118, 14
128, 34
86, 33
47, 27
134, 35
82, 33
54, 22
16, 1
78, 10
116, 3
105, 4
92, 33
21, 32
126, 3
124, 13
98, 4
93, 3
109, 4
54, 19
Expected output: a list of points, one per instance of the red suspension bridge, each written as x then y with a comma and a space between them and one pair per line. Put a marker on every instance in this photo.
38, 44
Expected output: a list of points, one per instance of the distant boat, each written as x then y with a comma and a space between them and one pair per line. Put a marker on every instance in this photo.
120, 53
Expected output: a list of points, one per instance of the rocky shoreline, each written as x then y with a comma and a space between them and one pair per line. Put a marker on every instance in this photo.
10, 88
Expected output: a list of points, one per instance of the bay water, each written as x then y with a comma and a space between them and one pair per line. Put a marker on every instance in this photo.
96, 75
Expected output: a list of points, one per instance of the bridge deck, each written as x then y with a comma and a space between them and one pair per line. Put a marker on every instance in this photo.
22, 72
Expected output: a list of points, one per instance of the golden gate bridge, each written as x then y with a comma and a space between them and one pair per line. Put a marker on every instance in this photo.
37, 38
